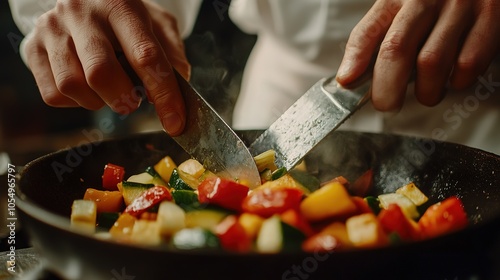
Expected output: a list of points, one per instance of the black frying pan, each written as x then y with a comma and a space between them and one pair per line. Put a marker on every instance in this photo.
49, 184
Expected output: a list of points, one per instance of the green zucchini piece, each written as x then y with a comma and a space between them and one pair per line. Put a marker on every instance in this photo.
105, 220
132, 190
307, 180
373, 203
195, 238
277, 236
184, 197
177, 183
278, 173
205, 218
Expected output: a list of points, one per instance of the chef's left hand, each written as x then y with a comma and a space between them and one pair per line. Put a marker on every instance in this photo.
447, 43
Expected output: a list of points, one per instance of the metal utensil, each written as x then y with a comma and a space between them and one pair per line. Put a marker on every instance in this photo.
321, 110
208, 139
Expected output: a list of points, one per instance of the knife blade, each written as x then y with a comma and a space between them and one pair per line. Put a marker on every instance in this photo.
210, 140
321, 110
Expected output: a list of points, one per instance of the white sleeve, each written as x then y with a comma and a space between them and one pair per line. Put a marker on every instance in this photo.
185, 11
26, 12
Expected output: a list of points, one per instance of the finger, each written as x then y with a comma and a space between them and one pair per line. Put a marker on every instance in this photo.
365, 39
397, 54
479, 48
38, 62
103, 72
68, 74
437, 57
147, 58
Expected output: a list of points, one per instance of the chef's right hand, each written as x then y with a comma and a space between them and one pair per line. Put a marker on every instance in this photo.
72, 55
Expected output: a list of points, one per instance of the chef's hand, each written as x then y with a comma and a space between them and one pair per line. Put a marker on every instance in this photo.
447, 43
72, 55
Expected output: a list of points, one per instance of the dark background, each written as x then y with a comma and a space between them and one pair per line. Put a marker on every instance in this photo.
216, 49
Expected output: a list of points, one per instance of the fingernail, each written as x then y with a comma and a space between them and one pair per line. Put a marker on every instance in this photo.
345, 68
172, 123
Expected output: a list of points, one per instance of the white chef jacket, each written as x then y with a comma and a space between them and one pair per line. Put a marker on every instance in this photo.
300, 42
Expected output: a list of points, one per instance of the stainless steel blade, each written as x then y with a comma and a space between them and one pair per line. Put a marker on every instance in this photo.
321, 110
208, 139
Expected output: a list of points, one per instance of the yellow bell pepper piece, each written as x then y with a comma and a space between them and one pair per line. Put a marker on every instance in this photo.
331, 200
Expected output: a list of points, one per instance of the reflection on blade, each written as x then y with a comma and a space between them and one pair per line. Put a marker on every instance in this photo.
212, 142
322, 109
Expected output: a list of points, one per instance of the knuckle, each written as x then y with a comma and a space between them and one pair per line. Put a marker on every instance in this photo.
428, 60
145, 54
52, 98
393, 46
97, 72
68, 83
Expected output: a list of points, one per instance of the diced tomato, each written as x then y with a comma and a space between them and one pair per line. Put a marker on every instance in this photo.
295, 219
443, 217
361, 204
266, 202
148, 199
232, 235
222, 192
106, 201
393, 219
112, 175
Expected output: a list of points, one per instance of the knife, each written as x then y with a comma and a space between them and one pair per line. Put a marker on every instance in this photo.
321, 110
208, 139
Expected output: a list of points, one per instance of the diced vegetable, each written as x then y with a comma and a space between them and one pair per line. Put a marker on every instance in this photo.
267, 202
443, 217
222, 192
106, 201
105, 220
278, 173
332, 237
408, 207
184, 197
266, 160
195, 238
112, 175
177, 183
165, 167
232, 235
205, 218
84, 215
132, 190
142, 178
365, 231
146, 232
251, 224
148, 199
373, 203
122, 228
393, 220
294, 218
285, 181
192, 167
331, 200
157, 179
276, 236
306, 180
413, 193
171, 218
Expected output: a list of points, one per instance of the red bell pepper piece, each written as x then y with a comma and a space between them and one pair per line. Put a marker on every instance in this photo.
222, 192
443, 217
393, 219
321, 242
232, 235
295, 219
148, 199
112, 175
363, 184
269, 201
